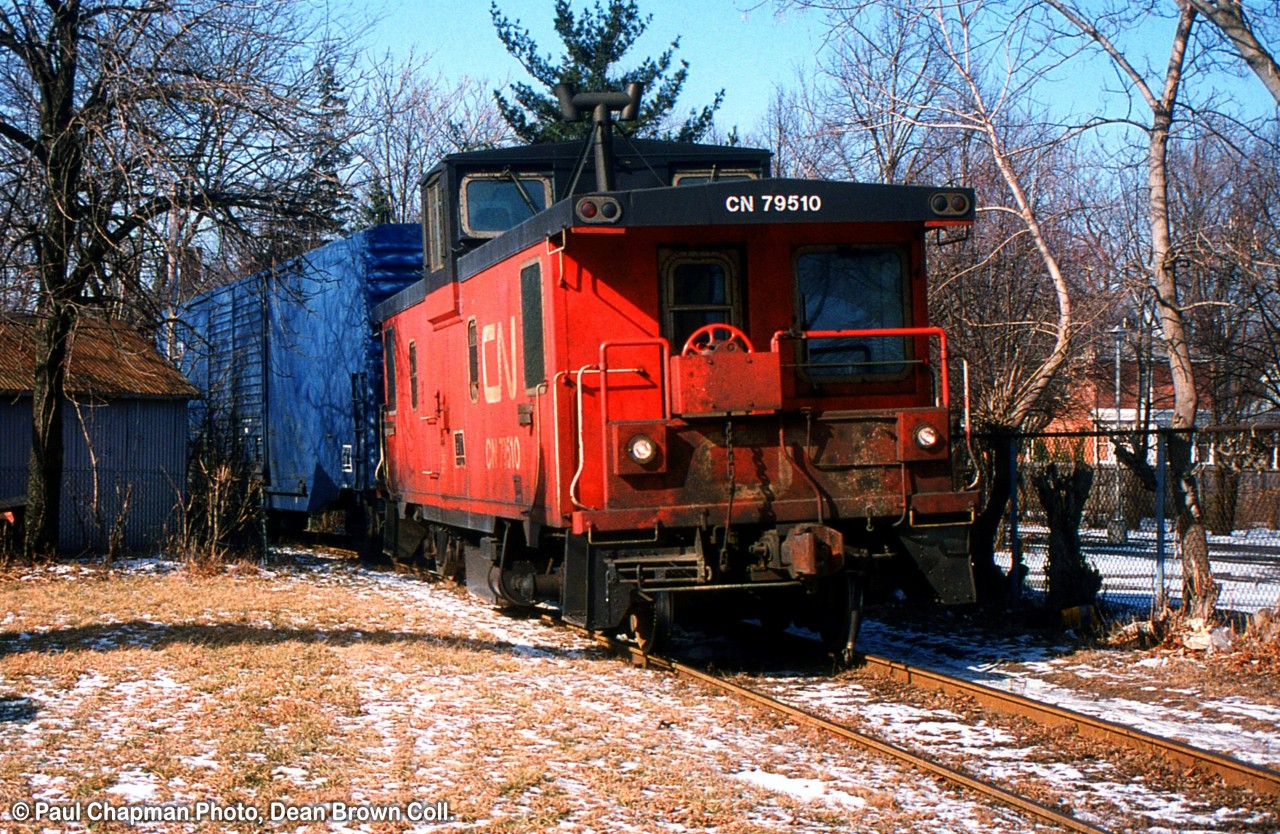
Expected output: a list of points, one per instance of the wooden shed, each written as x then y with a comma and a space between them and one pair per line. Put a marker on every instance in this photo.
124, 425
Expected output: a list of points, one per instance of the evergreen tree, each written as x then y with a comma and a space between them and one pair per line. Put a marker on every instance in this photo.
330, 156
377, 207
321, 180
593, 43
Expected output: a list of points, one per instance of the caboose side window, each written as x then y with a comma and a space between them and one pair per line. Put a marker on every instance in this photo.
699, 288
389, 362
535, 372
473, 361
852, 289
413, 375
433, 229
493, 203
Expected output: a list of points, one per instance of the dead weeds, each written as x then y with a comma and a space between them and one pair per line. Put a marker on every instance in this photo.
327, 684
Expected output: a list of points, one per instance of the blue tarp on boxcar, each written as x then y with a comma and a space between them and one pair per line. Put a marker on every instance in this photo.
291, 367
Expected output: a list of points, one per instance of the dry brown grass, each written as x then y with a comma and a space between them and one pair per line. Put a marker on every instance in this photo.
326, 684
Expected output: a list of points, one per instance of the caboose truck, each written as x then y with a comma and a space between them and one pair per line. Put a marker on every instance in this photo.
689, 382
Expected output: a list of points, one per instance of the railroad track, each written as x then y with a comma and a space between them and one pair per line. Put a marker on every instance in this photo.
801, 716
1233, 772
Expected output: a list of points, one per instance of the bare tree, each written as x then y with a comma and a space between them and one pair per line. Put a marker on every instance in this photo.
1200, 591
410, 118
1225, 236
1253, 241
116, 113
796, 132
883, 83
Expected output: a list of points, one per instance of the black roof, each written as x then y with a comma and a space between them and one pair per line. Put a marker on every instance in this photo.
637, 163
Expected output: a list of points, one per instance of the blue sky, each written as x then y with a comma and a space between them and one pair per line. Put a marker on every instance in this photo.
727, 44
742, 46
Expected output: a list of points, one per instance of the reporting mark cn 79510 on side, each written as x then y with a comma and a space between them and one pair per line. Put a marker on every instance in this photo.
640, 378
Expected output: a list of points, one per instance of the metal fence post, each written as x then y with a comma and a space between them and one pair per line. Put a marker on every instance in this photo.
1161, 459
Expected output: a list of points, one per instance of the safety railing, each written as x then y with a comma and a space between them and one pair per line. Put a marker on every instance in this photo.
944, 382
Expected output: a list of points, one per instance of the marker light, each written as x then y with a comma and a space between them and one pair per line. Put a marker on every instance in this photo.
595, 209
642, 449
950, 203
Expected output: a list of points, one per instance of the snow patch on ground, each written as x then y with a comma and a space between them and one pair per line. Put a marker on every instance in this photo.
803, 789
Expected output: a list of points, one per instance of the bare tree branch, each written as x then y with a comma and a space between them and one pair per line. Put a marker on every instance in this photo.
1230, 19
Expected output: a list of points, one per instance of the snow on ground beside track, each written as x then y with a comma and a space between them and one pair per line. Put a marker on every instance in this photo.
1010, 663
1021, 665
996, 756
626, 698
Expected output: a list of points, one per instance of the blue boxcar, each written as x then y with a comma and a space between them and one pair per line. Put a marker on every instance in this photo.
291, 368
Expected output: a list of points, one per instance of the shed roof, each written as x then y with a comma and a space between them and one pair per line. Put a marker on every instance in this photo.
108, 359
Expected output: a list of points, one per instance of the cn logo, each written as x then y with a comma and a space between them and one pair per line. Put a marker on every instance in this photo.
503, 361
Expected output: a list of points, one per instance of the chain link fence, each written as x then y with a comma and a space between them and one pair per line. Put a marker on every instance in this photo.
1127, 530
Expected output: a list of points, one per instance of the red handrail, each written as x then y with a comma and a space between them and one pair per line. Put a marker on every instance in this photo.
886, 332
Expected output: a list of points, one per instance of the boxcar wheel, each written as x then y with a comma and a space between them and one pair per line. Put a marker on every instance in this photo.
842, 617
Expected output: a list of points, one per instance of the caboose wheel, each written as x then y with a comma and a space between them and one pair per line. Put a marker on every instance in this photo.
842, 617
649, 621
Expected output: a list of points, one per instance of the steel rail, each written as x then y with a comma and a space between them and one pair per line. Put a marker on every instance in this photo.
1235, 772
899, 754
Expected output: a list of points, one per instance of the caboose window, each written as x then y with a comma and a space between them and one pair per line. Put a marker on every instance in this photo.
413, 375
389, 360
535, 371
700, 288
493, 203
473, 361
852, 289
433, 229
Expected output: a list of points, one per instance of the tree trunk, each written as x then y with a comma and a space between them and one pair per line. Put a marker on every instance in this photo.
61, 149
44, 475
1224, 498
1063, 492
1199, 591
990, 581
1230, 19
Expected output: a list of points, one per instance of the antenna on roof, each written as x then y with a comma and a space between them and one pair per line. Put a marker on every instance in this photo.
602, 106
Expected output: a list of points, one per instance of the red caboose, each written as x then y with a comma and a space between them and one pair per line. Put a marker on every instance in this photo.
660, 374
